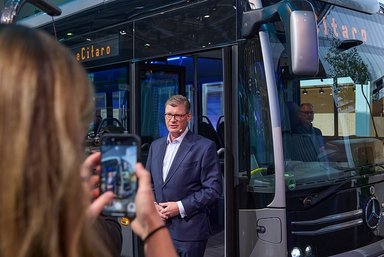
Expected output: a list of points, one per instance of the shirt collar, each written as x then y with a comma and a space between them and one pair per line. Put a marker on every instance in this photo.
178, 139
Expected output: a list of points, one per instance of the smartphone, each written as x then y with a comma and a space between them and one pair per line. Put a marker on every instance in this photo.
119, 155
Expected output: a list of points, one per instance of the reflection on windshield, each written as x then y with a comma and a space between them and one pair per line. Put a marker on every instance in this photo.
333, 124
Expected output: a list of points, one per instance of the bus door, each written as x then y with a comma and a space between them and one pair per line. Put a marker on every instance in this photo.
157, 83
111, 103
198, 76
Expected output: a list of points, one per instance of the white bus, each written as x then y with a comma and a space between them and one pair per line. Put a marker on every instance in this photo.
247, 66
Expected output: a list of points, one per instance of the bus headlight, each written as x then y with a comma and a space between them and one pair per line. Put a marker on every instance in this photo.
296, 252
308, 251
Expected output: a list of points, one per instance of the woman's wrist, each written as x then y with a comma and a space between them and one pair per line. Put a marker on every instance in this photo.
153, 232
153, 222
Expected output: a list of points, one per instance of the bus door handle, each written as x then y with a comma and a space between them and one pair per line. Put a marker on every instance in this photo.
260, 229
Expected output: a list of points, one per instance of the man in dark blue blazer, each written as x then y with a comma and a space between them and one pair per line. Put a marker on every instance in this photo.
186, 179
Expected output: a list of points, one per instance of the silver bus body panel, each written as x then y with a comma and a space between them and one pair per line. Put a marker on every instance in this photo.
279, 198
267, 244
369, 250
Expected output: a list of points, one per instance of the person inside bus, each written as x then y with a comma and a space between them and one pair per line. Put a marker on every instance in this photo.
304, 126
186, 179
46, 103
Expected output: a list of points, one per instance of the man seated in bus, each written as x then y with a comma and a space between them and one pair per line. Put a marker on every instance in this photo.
304, 125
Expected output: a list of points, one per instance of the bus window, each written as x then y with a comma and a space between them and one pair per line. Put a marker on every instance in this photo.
110, 87
256, 168
347, 100
111, 103
207, 107
157, 84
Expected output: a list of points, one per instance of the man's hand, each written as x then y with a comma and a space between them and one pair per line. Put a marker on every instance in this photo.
169, 209
159, 208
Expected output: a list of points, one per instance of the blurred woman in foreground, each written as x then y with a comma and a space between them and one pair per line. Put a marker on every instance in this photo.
46, 104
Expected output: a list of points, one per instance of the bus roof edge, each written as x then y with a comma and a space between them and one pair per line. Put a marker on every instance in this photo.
366, 6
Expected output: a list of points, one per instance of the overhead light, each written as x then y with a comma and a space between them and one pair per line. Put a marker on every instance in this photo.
123, 32
321, 91
69, 34
305, 92
176, 58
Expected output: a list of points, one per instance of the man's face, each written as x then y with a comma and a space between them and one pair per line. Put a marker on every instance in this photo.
306, 114
176, 119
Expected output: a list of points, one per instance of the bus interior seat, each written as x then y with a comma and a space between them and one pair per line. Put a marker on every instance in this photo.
220, 129
110, 125
220, 133
207, 130
145, 144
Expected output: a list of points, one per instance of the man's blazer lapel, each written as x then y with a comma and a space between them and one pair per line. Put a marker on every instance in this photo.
160, 150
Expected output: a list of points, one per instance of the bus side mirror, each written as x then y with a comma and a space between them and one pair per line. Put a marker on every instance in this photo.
300, 26
302, 42
12, 8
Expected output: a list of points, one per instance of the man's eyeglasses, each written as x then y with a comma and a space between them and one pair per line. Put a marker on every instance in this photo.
308, 112
177, 117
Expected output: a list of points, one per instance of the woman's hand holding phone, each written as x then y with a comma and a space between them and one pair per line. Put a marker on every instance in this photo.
89, 173
147, 217
119, 155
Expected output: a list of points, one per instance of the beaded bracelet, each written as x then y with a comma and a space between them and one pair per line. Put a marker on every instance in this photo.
153, 232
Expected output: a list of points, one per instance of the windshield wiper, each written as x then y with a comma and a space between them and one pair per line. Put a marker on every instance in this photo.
371, 165
312, 200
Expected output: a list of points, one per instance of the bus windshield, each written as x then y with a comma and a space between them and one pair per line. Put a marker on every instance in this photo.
332, 124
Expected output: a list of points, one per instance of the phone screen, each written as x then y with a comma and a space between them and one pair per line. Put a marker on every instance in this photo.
119, 154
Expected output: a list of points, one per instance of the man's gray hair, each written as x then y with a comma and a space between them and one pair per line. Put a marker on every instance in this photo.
177, 100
